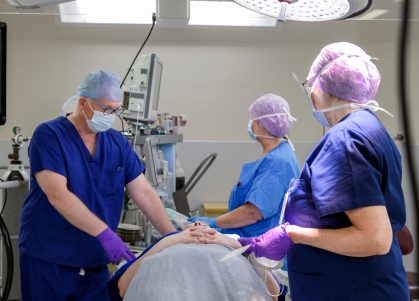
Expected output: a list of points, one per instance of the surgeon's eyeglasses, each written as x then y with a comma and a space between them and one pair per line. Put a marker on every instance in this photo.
109, 110
303, 84
306, 88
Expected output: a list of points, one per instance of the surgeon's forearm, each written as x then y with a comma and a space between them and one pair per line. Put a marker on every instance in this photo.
67, 203
149, 203
77, 214
155, 212
369, 235
346, 241
244, 215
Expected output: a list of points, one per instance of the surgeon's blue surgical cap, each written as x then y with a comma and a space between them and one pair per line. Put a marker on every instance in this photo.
345, 71
279, 123
101, 85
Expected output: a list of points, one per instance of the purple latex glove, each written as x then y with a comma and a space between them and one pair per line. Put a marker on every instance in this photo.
114, 247
273, 244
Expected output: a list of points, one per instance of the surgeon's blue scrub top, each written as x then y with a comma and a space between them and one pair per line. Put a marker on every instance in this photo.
98, 181
355, 165
264, 183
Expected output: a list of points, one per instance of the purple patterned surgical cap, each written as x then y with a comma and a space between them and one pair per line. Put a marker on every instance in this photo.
345, 71
268, 104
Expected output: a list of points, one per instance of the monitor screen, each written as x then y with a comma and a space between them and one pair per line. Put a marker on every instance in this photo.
142, 89
157, 81
3, 47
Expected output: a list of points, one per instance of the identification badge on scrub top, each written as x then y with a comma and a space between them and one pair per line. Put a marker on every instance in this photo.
284, 205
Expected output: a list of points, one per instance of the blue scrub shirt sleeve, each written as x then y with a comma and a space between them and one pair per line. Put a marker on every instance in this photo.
45, 152
346, 174
267, 190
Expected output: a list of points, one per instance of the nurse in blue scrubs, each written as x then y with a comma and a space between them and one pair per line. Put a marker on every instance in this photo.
79, 168
343, 212
255, 201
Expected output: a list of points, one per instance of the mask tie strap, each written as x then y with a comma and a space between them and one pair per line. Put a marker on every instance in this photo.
346, 105
290, 118
373, 106
286, 138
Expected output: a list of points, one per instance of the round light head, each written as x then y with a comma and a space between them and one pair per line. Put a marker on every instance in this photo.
305, 10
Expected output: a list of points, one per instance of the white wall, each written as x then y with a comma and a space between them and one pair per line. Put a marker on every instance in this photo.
211, 77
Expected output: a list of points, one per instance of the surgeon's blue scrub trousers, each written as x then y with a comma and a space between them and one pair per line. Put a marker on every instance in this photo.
45, 281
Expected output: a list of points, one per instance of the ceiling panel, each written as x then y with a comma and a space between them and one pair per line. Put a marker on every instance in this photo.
45, 23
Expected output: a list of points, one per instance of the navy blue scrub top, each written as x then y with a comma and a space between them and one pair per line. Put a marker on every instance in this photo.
355, 165
98, 181
263, 183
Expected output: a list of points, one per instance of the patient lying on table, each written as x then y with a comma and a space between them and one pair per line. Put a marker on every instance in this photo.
186, 266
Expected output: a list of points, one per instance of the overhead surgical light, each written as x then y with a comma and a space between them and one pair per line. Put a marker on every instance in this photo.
307, 10
35, 3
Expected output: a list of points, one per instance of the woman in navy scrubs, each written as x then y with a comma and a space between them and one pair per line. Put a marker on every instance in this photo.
343, 211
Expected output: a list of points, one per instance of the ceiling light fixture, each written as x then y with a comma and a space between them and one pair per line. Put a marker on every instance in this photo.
34, 3
308, 10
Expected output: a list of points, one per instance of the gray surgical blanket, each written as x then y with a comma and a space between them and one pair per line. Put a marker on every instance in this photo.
189, 272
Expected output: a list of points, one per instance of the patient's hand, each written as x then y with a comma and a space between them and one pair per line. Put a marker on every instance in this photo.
191, 234
214, 237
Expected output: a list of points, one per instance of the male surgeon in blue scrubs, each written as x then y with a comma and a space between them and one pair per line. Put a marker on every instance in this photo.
255, 201
79, 168
345, 209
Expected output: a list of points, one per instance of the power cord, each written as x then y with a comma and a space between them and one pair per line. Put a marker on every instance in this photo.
9, 251
122, 124
4, 200
141, 48
153, 17
404, 108
9, 256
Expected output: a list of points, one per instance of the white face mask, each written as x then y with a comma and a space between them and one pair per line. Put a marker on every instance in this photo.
250, 131
100, 122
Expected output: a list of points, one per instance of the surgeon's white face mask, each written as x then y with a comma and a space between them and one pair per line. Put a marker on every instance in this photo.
321, 117
100, 122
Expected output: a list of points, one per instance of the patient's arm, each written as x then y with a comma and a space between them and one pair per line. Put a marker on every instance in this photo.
218, 238
221, 239
190, 235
